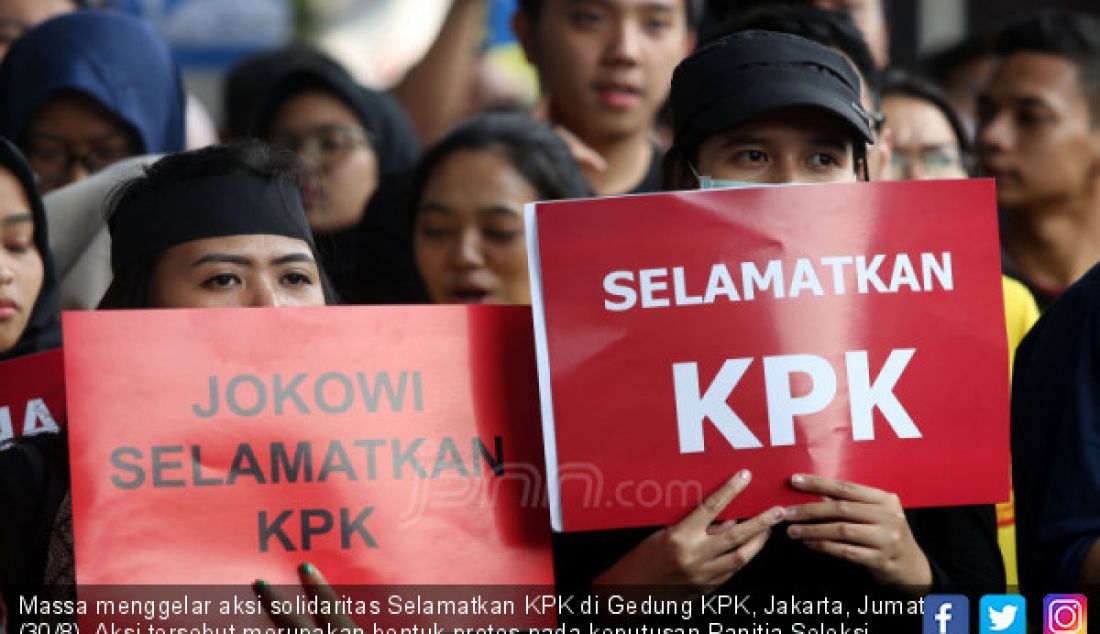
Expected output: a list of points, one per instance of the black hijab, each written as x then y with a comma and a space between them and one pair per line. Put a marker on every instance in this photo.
369, 263
43, 331
34, 471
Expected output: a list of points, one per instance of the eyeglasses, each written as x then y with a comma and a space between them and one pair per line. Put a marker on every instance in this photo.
329, 144
53, 160
933, 163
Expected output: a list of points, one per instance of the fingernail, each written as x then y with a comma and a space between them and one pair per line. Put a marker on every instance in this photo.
794, 531
798, 478
777, 514
744, 474
308, 569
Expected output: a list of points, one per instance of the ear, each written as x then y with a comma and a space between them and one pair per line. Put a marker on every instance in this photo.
690, 41
885, 151
1094, 154
525, 33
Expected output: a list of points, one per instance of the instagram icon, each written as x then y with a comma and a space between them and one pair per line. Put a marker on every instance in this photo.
1065, 614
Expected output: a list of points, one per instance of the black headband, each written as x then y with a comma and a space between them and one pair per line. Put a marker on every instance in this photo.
143, 226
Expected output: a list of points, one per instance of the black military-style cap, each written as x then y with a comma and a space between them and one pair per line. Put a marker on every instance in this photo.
746, 74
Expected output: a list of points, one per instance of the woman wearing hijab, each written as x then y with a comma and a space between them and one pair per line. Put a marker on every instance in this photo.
358, 141
86, 89
32, 473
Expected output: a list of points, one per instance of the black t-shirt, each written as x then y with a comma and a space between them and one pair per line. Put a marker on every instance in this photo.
959, 542
1044, 297
652, 181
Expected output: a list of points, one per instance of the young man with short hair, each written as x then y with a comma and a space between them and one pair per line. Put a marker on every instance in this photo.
1039, 136
869, 16
605, 67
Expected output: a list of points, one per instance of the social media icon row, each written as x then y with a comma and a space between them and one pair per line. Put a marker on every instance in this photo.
1004, 614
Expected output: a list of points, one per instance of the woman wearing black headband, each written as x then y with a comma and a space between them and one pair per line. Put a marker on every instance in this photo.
218, 227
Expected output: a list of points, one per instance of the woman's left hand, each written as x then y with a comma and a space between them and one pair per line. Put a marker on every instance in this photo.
860, 524
314, 583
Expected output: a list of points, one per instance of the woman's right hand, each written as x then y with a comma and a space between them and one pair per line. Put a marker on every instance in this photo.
695, 556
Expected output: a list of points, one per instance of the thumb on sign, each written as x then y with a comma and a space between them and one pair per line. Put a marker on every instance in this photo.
694, 556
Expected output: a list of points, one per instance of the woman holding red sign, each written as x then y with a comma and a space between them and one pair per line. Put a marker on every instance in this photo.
29, 323
217, 227
759, 107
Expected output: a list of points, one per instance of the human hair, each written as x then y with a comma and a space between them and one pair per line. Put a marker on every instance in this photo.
1070, 35
132, 287
834, 29
693, 11
900, 82
728, 8
531, 147
942, 63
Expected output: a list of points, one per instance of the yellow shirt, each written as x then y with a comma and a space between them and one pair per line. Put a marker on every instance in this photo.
1021, 313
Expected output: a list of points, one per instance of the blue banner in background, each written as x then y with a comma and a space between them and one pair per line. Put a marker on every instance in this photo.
500, 23
213, 34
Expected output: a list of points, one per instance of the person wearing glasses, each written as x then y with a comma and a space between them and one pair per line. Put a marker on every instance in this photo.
929, 138
86, 89
359, 143
930, 143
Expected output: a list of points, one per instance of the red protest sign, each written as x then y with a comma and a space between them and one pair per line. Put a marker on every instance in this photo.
385, 445
32, 395
854, 331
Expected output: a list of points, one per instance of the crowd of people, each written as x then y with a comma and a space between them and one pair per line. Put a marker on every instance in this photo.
327, 192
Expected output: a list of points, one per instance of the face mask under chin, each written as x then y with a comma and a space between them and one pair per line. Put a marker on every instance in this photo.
706, 182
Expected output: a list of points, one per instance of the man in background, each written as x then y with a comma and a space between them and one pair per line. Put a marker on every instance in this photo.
1039, 137
605, 68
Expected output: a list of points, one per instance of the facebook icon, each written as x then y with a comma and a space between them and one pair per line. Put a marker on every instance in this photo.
946, 614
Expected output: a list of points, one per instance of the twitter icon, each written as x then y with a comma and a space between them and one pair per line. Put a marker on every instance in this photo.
1003, 614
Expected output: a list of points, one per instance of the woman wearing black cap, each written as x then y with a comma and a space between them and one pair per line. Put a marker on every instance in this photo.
766, 107
763, 107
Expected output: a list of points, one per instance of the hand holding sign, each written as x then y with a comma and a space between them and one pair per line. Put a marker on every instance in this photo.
833, 329
315, 586
863, 525
693, 555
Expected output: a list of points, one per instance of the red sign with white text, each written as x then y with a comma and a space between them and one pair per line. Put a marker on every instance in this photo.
385, 445
32, 395
854, 331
